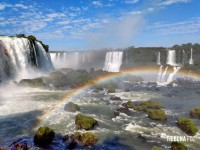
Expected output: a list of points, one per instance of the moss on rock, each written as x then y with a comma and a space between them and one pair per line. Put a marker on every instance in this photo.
84, 122
44, 136
188, 126
144, 106
157, 148
157, 114
178, 146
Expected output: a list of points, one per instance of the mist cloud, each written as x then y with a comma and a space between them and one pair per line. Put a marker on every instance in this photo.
116, 33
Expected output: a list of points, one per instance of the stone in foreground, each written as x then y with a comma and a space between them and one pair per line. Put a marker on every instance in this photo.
84, 122
44, 136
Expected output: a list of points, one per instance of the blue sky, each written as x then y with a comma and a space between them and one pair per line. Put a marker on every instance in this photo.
95, 24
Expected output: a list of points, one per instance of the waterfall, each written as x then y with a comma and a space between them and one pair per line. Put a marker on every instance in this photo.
171, 76
113, 61
159, 74
171, 57
191, 61
158, 58
163, 77
19, 55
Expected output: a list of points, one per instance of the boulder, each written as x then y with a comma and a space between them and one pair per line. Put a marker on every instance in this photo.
157, 114
195, 112
84, 122
115, 98
83, 139
44, 136
188, 126
128, 104
123, 110
71, 107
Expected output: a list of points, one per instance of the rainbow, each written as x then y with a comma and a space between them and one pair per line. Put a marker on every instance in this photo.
134, 71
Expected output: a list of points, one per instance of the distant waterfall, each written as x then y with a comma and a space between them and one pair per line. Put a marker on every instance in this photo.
158, 59
113, 61
19, 55
191, 61
171, 58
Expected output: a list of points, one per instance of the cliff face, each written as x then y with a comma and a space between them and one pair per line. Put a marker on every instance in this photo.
20, 55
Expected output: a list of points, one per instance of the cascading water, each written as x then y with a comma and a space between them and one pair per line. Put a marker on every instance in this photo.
191, 61
19, 56
171, 76
159, 74
158, 59
113, 61
171, 58
163, 77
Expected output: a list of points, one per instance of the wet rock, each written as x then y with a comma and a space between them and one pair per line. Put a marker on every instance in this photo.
116, 113
44, 136
123, 110
141, 137
115, 98
83, 139
128, 104
84, 122
195, 112
37, 82
71, 107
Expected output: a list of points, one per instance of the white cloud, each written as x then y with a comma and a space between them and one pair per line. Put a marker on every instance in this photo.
135, 12
131, 1
97, 3
169, 2
177, 28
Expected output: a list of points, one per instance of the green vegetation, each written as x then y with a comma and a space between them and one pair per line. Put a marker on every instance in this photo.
44, 136
157, 114
33, 38
144, 106
187, 125
157, 148
21, 35
71, 107
84, 122
195, 112
178, 146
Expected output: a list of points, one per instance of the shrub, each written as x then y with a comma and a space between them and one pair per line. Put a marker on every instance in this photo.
144, 106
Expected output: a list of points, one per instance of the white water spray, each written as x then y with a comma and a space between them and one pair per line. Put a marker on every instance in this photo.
113, 61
